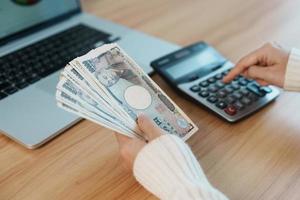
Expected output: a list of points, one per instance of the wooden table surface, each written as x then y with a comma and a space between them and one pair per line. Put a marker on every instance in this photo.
257, 158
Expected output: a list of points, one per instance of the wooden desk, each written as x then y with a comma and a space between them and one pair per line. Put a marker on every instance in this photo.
257, 158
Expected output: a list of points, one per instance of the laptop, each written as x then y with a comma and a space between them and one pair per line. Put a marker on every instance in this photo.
37, 39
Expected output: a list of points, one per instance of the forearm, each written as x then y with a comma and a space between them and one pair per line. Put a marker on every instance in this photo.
167, 168
292, 75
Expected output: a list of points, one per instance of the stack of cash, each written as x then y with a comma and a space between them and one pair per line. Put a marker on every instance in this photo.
107, 87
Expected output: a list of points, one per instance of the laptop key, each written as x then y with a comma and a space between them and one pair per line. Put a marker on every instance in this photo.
4, 85
21, 84
47, 72
10, 90
32, 79
2, 95
30, 64
13, 79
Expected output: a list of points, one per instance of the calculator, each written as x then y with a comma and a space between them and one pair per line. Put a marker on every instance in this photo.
197, 71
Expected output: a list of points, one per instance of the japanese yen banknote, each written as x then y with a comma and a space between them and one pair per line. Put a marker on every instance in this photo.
108, 87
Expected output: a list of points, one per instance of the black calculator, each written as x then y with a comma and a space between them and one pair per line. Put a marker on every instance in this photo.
197, 71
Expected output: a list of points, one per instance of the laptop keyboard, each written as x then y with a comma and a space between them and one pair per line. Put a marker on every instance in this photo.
34, 62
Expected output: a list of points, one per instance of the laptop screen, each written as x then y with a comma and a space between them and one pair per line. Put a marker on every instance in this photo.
17, 15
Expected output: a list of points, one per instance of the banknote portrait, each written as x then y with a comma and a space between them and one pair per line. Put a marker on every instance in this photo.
114, 70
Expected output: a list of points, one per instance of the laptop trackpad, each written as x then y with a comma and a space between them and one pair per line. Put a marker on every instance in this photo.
31, 115
49, 84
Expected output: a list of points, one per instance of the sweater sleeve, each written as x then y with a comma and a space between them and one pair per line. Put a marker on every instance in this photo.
167, 168
292, 75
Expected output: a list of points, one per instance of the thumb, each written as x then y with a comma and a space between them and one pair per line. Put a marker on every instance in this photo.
149, 128
122, 139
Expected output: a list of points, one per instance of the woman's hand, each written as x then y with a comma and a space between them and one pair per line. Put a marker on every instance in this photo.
266, 65
130, 147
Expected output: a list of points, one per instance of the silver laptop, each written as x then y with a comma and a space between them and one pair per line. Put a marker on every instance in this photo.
37, 39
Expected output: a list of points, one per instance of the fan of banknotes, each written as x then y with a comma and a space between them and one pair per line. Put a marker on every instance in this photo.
107, 87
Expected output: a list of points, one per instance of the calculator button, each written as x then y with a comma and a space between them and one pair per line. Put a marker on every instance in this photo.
255, 88
220, 84
204, 84
212, 99
195, 88
230, 110
230, 99
229, 89
235, 86
211, 80
221, 93
238, 77
237, 95
212, 88
204, 93
225, 72
245, 100
244, 91
243, 82
221, 105
266, 89
253, 97
218, 76
239, 105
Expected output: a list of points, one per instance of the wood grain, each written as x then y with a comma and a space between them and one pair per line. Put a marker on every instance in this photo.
257, 158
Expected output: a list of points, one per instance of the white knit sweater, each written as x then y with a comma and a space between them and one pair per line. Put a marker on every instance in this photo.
167, 167
292, 75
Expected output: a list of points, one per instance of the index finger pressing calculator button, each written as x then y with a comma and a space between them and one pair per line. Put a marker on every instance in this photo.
231, 101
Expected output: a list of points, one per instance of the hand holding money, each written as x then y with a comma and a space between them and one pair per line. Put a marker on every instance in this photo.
107, 87
130, 147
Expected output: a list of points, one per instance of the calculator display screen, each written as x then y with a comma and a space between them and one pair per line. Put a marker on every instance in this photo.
193, 63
